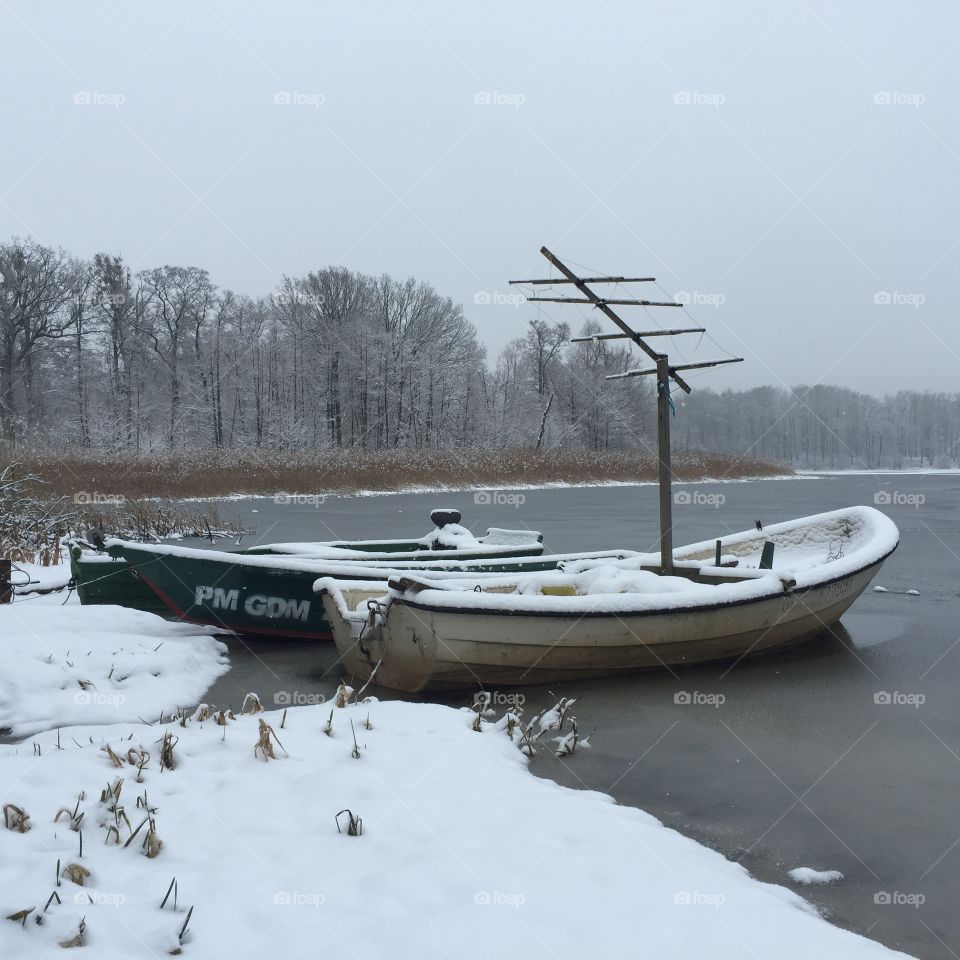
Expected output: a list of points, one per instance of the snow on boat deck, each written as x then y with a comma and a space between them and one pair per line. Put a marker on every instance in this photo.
810, 550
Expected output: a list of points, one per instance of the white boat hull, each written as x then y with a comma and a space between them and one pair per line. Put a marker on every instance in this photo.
420, 648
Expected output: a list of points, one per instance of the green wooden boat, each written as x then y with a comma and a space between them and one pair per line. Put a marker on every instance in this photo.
273, 595
112, 576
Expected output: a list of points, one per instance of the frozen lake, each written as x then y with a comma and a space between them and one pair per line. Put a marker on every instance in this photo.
800, 765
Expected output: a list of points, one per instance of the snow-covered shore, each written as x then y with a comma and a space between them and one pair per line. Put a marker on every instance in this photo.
62, 665
334, 494
462, 851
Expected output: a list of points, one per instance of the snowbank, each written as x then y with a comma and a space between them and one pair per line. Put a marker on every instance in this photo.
462, 852
72, 664
30, 577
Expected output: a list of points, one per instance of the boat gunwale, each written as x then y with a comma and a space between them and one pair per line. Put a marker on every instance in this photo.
308, 564
621, 613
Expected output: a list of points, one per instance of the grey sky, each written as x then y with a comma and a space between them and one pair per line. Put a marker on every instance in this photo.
792, 166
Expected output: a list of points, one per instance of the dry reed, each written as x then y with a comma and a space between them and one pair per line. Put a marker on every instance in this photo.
212, 474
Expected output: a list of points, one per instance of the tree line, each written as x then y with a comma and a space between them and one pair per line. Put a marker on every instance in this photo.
96, 356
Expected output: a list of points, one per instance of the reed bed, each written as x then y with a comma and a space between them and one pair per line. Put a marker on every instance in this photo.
101, 478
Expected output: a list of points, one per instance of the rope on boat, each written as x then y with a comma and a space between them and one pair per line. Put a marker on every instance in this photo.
70, 585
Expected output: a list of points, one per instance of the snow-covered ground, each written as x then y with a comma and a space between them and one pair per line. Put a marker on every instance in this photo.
28, 577
70, 664
462, 852
484, 487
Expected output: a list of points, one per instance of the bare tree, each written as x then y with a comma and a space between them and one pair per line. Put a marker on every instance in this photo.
35, 284
178, 302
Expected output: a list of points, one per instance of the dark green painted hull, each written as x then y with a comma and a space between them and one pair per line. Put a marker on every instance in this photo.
102, 581
260, 601
249, 600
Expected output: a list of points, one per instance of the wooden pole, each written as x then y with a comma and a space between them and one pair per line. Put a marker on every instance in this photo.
616, 303
673, 368
664, 373
663, 453
6, 590
639, 333
552, 280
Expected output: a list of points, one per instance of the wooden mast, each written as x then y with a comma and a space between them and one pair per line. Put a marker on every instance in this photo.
665, 476
664, 372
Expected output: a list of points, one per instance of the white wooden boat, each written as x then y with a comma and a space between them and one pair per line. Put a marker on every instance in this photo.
602, 617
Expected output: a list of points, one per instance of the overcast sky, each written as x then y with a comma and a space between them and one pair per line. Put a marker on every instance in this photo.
792, 168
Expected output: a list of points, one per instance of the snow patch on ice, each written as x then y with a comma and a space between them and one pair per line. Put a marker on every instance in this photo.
807, 876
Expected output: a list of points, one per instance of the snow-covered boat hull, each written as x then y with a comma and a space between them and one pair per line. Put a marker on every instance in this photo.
273, 596
173, 580
422, 639
430, 649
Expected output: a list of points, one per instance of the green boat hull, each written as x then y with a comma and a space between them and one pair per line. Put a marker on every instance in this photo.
261, 600
258, 601
109, 580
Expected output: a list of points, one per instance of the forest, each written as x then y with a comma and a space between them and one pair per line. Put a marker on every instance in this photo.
97, 357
